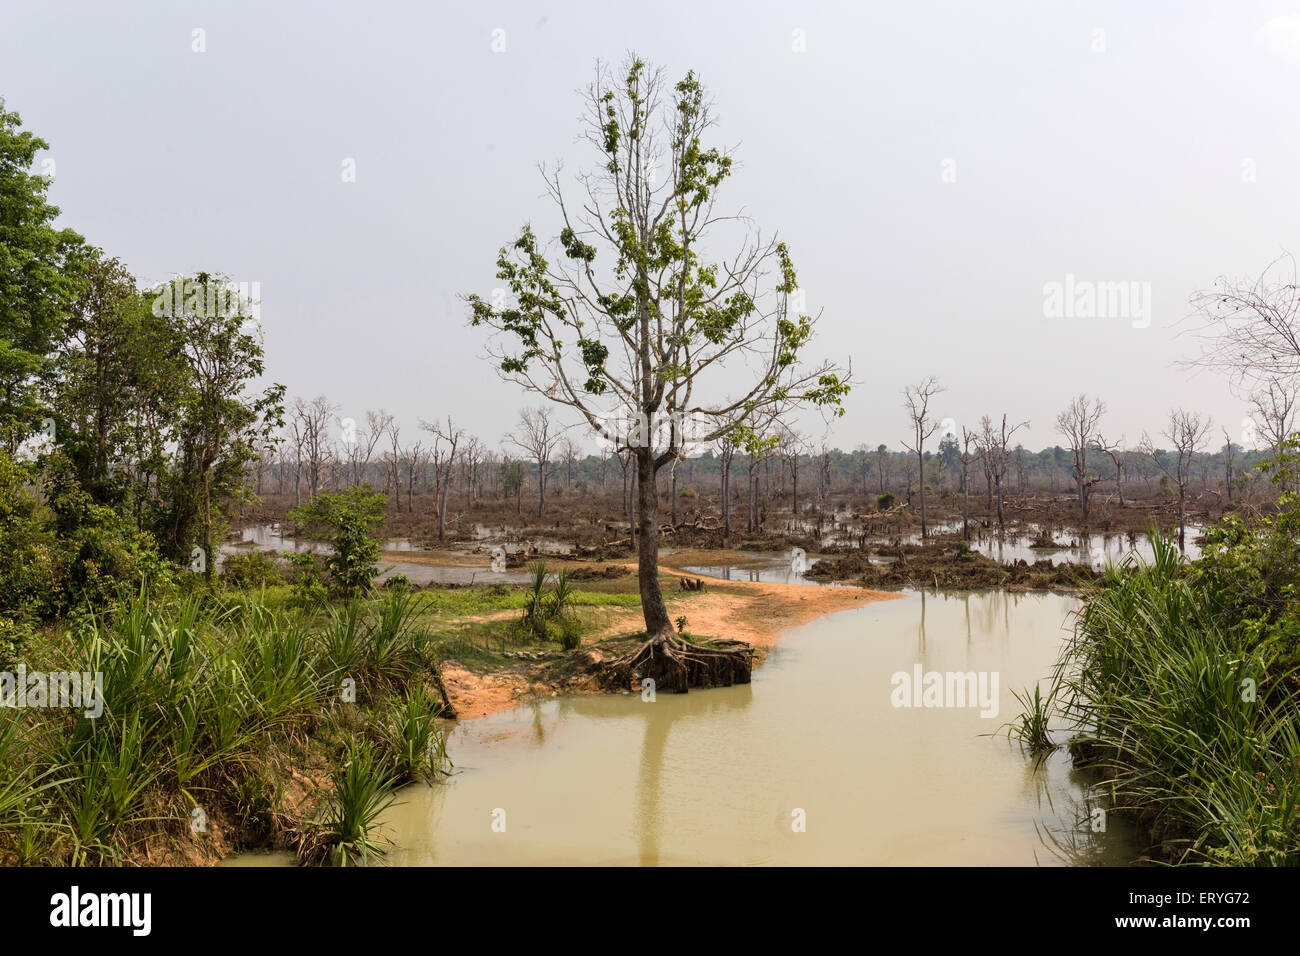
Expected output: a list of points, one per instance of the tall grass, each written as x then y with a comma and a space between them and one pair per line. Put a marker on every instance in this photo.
363, 786
194, 695
1187, 717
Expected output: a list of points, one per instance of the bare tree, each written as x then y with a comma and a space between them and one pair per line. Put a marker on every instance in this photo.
413, 459
443, 455
966, 457
393, 463
1251, 329
1274, 406
1227, 463
789, 448
567, 452
362, 450
1186, 432
1115, 452
472, 459
1078, 423
726, 447
916, 400
993, 444
538, 435
309, 422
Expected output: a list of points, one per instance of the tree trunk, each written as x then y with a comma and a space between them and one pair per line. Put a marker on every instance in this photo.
920, 461
726, 500
653, 607
965, 503
667, 661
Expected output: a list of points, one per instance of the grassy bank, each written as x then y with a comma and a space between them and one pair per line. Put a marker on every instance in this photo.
1182, 681
236, 720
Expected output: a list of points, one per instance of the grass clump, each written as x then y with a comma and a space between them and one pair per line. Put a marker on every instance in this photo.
1184, 701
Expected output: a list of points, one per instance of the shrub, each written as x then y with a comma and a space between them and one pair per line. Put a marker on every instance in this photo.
305, 575
363, 785
252, 570
412, 734
350, 518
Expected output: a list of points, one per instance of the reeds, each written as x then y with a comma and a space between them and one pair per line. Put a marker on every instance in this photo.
1187, 716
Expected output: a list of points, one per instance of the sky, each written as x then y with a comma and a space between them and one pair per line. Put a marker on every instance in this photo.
935, 168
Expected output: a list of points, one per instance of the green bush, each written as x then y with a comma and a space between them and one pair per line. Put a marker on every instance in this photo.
305, 574
350, 518
251, 570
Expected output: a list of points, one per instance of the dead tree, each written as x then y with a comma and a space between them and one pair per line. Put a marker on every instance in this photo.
1078, 423
916, 401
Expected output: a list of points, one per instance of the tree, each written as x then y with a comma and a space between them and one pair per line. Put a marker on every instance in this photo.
217, 427
538, 435
648, 326
350, 518
1078, 423
1115, 452
993, 442
39, 282
445, 439
310, 424
882, 467
1227, 463
916, 400
103, 372
966, 456
726, 446
1275, 405
790, 446
1187, 432
1250, 329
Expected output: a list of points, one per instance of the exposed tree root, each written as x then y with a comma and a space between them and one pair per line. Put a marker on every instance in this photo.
678, 665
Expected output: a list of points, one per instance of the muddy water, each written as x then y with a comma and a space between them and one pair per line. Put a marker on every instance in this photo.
725, 776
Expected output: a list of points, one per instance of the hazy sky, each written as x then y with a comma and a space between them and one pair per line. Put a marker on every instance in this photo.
931, 165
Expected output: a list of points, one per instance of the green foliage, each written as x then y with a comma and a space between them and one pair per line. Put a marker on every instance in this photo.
14, 637
306, 577
1187, 692
192, 692
412, 734
349, 517
363, 785
546, 613
30, 570
38, 281
885, 502
1031, 728
251, 570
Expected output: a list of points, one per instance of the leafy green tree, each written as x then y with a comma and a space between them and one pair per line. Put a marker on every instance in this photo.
217, 427
37, 284
349, 518
630, 323
109, 367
